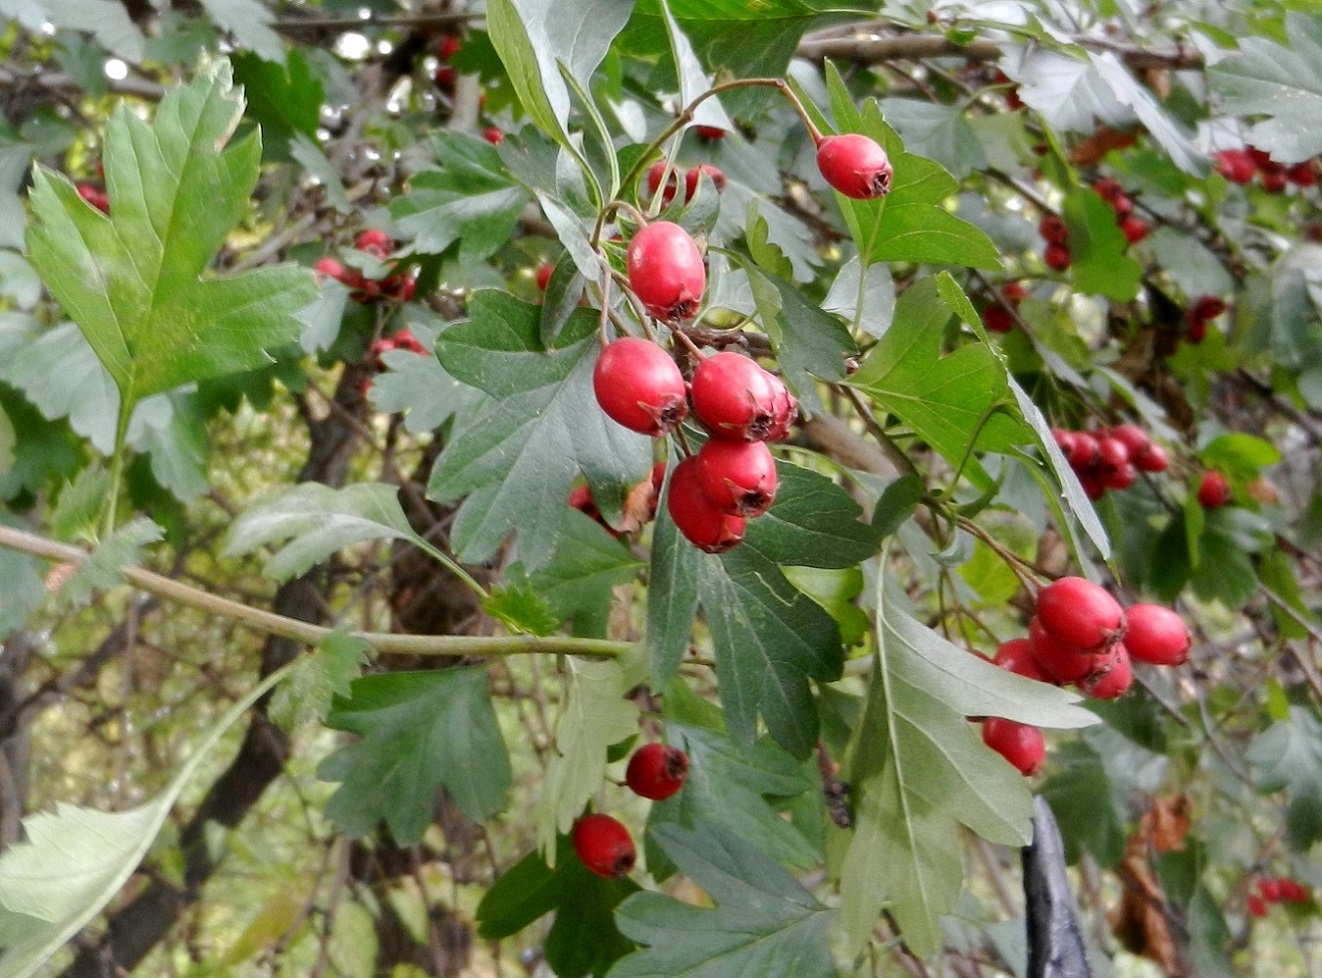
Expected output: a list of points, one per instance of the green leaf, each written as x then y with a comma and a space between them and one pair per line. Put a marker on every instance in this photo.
516, 461
534, 37
250, 23
132, 280
78, 510
692, 81
672, 600
1288, 757
21, 587
578, 583
730, 787
420, 388
911, 223
420, 731
812, 523
75, 861
918, 770
583, 939
471, 201
102, 569
764, 923
596, 714
317, 678
1282, 83
1099, 263
1161, 127
938, 131
1240, 456
109, 22
944, 399
285, 101
317, 520
1089, 809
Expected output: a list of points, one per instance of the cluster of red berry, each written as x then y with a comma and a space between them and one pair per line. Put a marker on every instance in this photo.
1110, 458
401, 340
1081, 636
655, 772
1196, 317
658, 172
1134, 228
1056, 234
398, 286
446, 75
1242, 165
997, 316
1276, 889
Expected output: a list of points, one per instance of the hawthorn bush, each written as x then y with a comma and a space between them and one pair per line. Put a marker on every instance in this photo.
658, 488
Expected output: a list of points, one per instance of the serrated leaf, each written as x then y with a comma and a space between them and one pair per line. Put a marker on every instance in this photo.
471, 201
939, 132
911, 223
250, 23
596, 714
811, 523
919, 770
75, 861
107, 21
78, 509
1288, 757
132, 279
318, 520
420, 388
21, 587
522, 608
420, 731
1090, 811
764, 923
516, 461
317, 679
672, 600
729, 786
947, 400
578, 581
1282, 83
692, 81
1099, 263
878, 297
1163, 129
103, 566
285, 100
1067, 91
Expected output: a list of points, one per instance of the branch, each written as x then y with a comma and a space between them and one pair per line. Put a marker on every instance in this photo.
486, 646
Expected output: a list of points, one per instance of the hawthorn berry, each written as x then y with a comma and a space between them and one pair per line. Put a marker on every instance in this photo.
375, 242
696, 516
1156, 635
448, 47
1214, 490
1057, 256
1135, 229
1016, 656
997, 319
1079, 613
666, 271
1134, 438
1019, 743
1235, 165
655, 173
604, 845
95, 196
737, 399
1053, 229
656, 771
494, 135
694, 175
543, 275
1061, 662
1153, 458
330, 268
639, 386
710, 134
739, 477
1112, 674
855, 165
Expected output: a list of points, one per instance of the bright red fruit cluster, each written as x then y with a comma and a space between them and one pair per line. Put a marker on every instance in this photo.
658, 172
398, 286
1056, 234
1242, 165
1081, 636
1135, 229
1276, 889
1110, 458
1204, 310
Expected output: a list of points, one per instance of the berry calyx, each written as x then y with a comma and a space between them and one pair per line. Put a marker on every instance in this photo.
1019, 743
1080, 613
1112, 674
737, 399
696, 516
638, 385
666, 271
855, 165
1214, 490
656, 771
1156, 635
739, 477
604, 845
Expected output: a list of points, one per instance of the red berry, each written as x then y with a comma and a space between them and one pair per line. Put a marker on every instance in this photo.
1197, 330
374, 241
1019, 743
1014, 292
405, 340
445, 78
1080, 613
604, 845
1275, 177
1061, 662
739, 477
543, 275
1303, 174
666, 271
997, 319
1109, 189
1053, 229
448, 47
1085, 451
855, 165
1111, 453
1214, 490
1235, 165
94, 196
329, 268
1120, 477
1111, 676
1122, 206
735, 398
1135, 229
580, 498
1270, 889
710, 133
1134, 438
1208, 307
1057, 256
656, 771
1256, 905
1156, 635
654, 174
639, 386
493, 135
694, 174
1016, 656
696, 516
1152, 459
1066, 441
